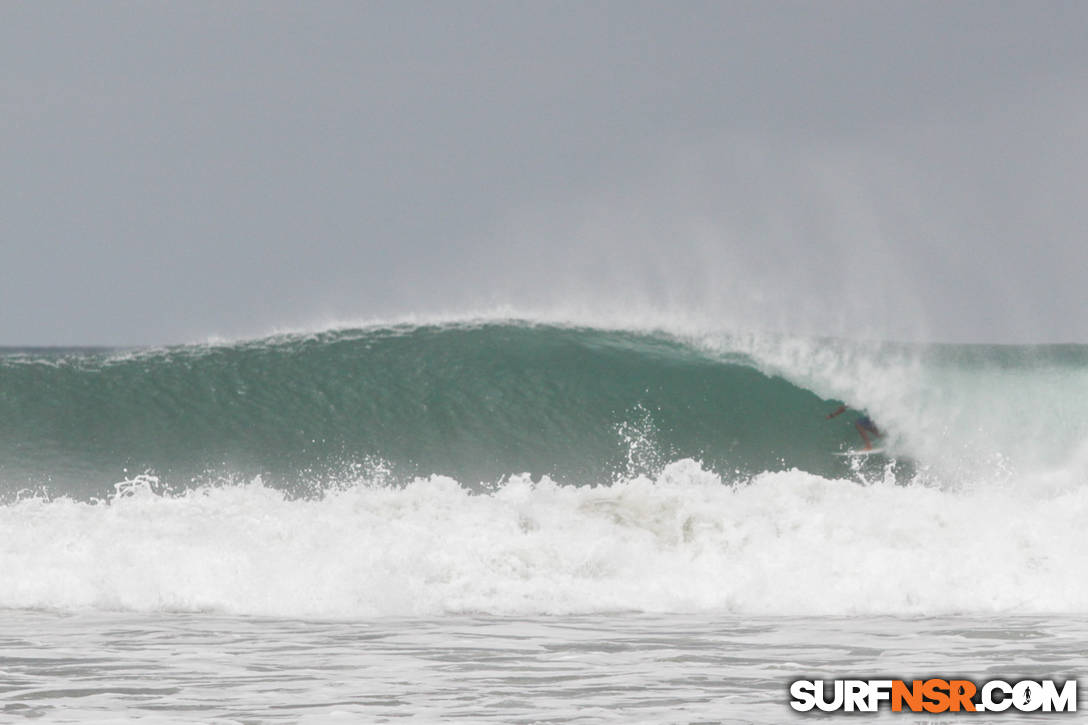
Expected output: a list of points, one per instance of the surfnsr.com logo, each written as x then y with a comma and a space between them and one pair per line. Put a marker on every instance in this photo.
933, 695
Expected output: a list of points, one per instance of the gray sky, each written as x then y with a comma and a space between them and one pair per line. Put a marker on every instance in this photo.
173, 171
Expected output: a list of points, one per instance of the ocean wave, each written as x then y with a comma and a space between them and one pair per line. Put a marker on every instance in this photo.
472, 401
476, 399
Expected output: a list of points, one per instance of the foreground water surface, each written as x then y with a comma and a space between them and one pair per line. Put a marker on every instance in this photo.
186, 668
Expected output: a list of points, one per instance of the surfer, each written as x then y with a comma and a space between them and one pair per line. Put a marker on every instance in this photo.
865, 425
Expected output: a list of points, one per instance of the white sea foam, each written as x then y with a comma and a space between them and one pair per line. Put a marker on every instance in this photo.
787, 542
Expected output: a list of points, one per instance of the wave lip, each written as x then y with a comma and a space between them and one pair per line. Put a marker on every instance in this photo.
786, 542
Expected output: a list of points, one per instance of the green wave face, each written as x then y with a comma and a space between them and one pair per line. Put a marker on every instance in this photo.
475, 402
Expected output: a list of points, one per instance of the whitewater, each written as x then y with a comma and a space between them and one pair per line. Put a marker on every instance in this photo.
589, 524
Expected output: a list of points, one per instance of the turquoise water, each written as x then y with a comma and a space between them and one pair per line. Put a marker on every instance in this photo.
472, 402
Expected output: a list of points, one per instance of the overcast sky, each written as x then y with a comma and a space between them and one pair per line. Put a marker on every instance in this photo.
174, 171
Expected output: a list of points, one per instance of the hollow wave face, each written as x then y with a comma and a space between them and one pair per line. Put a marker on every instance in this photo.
474, 402
520, 468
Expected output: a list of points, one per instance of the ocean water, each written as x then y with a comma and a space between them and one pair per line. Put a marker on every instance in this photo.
511, 521
599, 668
